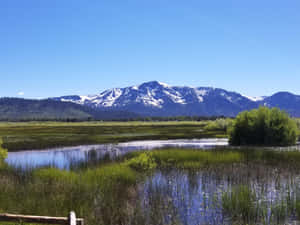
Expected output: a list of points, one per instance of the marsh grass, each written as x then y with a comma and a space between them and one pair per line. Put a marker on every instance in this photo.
98, 194
240, 204
244, 204
109, 192
194, 159
197, 159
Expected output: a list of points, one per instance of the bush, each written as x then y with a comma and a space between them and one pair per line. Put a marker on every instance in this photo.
3, 154
263, 126
219, 124
145, 161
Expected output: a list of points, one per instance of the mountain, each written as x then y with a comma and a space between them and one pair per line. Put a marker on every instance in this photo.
158, 99
148, 99
16, 109
286, 101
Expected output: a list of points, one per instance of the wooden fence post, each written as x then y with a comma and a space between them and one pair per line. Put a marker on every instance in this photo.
72, 218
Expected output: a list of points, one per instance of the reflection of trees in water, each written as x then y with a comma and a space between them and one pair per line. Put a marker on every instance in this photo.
95, 156
106, 152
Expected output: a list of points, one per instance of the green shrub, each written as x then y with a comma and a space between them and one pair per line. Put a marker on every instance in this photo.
219, 124
263, 126
143, 162
3, 154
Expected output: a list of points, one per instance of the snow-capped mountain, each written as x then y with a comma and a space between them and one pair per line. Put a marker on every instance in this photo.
159, 99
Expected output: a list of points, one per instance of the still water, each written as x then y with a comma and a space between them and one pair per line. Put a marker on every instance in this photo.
65, 156
197, 197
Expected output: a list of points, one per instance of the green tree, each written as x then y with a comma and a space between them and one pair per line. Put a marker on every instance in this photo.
263, 126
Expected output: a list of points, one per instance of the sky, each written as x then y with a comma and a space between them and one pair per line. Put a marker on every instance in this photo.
64, 47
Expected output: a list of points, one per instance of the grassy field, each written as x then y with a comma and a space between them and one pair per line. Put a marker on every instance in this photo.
38, 135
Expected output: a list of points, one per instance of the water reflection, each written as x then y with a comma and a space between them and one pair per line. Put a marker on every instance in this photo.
66, 156
191, 197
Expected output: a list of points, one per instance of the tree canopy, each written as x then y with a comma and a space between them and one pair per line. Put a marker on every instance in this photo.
264, 126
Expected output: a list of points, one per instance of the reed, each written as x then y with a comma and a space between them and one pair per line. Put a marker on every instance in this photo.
114, 192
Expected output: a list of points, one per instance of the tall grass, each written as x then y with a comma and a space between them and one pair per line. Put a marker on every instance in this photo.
193, 159
98, 195
240, 204
197, 159
109, 193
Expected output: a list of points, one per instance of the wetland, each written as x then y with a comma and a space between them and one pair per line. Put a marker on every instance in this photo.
200, 180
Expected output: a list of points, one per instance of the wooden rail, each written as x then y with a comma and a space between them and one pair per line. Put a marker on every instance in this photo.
70, 220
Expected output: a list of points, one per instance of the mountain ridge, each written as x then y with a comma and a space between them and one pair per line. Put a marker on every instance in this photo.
155, 98
19, 109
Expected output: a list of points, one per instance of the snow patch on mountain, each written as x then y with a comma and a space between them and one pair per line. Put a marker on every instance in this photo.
111, 97
150, 101
163, 84
200, 93
226, 96
176, 97
254, 99
67, 100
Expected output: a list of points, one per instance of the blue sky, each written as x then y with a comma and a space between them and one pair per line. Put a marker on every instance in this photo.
61, 47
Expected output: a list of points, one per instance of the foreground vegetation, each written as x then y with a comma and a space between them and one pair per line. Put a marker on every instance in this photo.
3, 154
38, 135
109, 192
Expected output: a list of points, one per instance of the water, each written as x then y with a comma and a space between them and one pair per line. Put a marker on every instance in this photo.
174, 196
65, 156
189, 197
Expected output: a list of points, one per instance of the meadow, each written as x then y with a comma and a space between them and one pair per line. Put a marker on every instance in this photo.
40, 135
